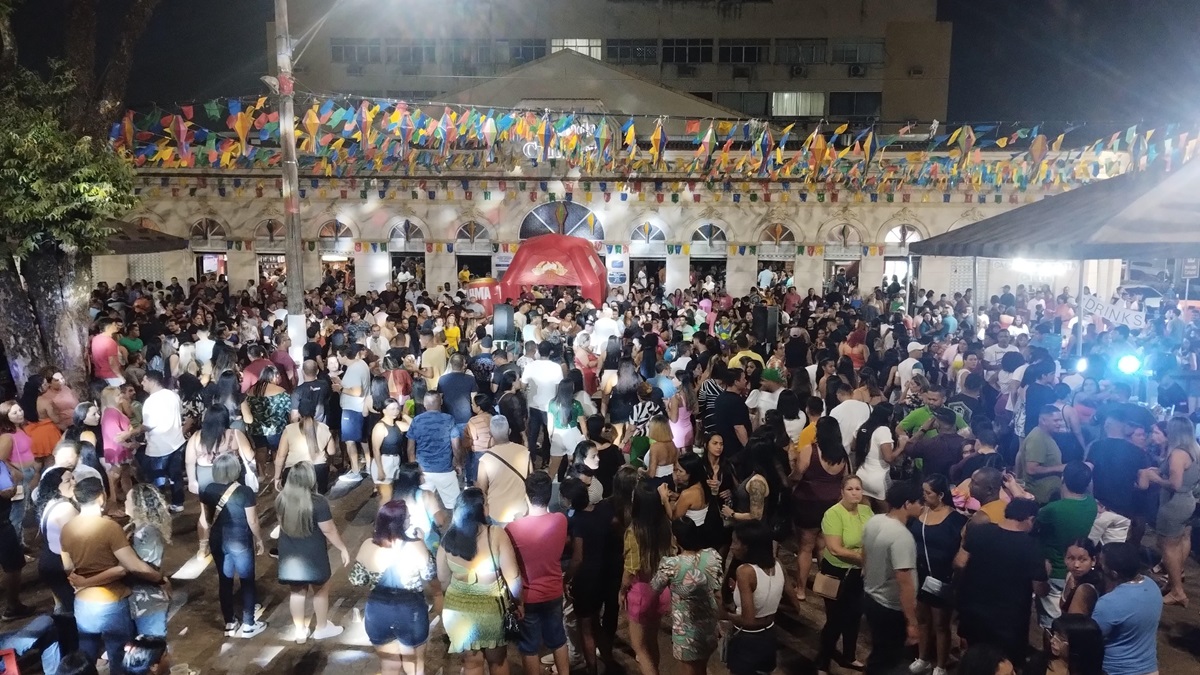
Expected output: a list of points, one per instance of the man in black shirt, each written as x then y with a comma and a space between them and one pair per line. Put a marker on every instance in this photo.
967, 402
731, 417
1002, 568
503, 364
314, 388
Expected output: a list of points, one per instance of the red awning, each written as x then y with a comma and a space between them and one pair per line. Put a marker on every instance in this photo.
556, 260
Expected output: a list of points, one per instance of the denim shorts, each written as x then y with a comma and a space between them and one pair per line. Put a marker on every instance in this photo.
396, 616
542, 625
352, 426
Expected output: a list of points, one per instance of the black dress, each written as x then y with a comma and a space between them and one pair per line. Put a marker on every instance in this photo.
942, 542
305, 560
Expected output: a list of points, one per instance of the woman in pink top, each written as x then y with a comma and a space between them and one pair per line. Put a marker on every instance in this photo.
117, 433
16, 448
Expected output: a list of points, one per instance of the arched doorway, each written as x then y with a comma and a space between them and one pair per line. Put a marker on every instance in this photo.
335, 243
648, 253
406, 243
776, 255
269, 242
473, 250
897, 262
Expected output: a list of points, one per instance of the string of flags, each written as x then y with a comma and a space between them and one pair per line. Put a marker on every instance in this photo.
347, 138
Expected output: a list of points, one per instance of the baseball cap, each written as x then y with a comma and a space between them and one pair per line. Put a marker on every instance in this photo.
915, 347
772, 375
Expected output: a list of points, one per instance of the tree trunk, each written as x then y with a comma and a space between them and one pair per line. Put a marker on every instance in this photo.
18, 326
59, 284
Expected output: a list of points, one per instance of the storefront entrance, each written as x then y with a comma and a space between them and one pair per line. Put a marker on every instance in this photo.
272, 265
782, 271
655, 270
409, 267
840, 274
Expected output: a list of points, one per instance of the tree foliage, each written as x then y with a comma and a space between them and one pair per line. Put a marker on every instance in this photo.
55, 185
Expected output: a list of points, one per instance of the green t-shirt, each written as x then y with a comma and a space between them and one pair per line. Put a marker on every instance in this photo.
1039, 447
849, 526
1058, 524
915, 419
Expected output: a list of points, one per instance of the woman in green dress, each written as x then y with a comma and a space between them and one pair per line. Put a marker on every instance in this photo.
694, 577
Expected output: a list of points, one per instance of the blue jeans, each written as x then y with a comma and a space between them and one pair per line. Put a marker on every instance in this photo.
35, 635
163, 471
16, 514
235, 559
105, 625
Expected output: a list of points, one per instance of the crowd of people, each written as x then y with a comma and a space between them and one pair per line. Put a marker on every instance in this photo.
942, 468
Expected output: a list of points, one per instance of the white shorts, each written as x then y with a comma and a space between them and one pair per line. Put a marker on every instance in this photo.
114, 381
446, 485
391, 466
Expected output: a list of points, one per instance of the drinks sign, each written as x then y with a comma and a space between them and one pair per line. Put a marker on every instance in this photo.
1132, 318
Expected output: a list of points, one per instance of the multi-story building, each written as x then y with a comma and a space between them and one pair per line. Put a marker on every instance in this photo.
780, 59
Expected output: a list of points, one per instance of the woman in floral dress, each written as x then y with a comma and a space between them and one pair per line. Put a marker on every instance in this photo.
694, 577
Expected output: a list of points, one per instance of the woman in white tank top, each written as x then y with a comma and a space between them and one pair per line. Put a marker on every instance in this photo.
760, 582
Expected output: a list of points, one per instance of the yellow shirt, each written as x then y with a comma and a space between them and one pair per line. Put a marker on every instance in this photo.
453, 333
464, 276
735, 361
808, 436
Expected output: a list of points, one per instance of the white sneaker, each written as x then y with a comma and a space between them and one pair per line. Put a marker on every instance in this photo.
231, 629
919, 666
939, 671
299, 634
251, 631
327, 631
350, 477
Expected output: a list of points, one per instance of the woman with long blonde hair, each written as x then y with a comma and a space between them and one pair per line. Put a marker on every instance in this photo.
305, 531
1178, 477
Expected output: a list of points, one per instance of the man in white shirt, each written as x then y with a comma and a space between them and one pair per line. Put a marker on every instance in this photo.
540, 380
605, 327
849, 413
910, 366
162, 416
994, 353
766, 397
765, 278
204, 347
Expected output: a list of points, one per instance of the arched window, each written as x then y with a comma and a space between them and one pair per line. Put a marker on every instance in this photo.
270, 230
648, 232
778, 234
207, 229
843, 235
709, 233
406, 230
567, 218
902, 235
335, 229
472, 231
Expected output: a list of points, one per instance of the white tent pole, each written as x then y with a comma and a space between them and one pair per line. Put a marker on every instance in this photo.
1079, 310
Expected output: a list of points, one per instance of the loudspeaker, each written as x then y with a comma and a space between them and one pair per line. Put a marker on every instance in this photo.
766, 324
503, 327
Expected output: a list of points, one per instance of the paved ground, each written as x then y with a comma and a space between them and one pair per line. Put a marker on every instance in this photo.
195, 631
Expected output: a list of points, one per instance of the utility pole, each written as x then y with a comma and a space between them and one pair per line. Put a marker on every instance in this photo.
293, 250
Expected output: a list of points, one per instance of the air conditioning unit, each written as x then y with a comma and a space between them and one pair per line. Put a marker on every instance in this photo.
686, 70
355, 70
742, 72
798, 71
857, 70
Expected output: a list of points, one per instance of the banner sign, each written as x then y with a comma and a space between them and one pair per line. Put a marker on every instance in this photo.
1132, 318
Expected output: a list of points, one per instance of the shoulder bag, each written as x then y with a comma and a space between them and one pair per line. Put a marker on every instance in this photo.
506, 463
508, 606
221, 507
932, 585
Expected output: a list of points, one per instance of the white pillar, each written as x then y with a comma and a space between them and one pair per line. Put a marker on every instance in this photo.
870, 273
809, 271
372, 271
618, 270
240, 266
678, 271
440, 269
741, 273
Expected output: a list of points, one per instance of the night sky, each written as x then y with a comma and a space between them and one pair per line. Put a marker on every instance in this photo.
1096, 61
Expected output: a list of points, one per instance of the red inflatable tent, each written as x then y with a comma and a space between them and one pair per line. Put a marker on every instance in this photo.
556, 260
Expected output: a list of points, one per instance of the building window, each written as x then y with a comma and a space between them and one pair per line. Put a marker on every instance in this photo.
270, 230
778, 234
743, 51
406, 230
411, 51
709, 233
631, 51
902, 235
567, 218
860, 51
843, 235
208, 229
706, 95
687, 50
470, 51
797, 104
750, 102
586, 46
356, 50
472, 231
800, 51
855, 103
524, 51
648, 232
335, 229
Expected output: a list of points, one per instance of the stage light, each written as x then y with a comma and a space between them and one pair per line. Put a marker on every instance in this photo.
1081, 365
1129, 364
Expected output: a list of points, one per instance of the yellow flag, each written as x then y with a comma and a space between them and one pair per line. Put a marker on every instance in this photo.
841, 130
723, 128
1001, 142
954, 136
1057, 145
